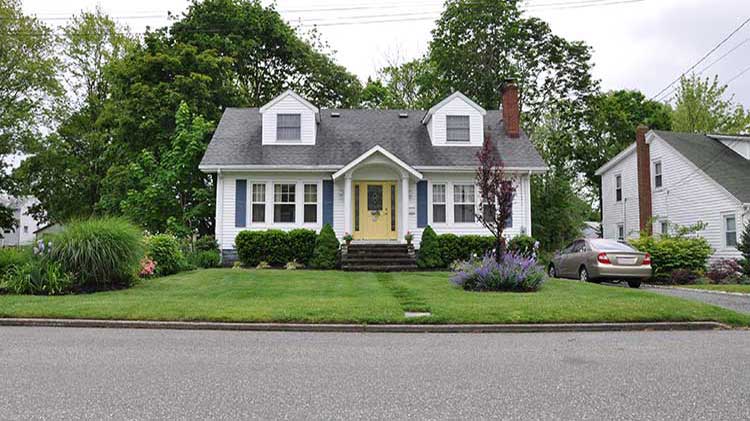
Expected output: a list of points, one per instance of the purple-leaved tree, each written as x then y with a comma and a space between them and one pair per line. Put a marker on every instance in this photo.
496, 190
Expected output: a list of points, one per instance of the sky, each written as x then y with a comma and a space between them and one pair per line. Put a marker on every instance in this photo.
637, 44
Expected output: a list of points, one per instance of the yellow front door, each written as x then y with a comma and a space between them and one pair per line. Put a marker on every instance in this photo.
374, 210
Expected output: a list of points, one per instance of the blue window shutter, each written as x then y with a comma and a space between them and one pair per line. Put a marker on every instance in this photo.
240, 203
422, 204
328, 202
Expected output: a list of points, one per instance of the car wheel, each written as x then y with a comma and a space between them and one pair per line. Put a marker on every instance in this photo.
583, 274
552, 272
634, 284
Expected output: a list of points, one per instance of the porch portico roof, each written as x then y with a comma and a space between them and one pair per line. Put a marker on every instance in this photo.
377, 149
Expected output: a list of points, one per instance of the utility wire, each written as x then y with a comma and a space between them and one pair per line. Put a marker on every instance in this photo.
705, 56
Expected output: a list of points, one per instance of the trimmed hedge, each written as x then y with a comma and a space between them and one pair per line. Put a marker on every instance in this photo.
454, 247
669, 253
276, 247
165, 250
429, 250
326, 249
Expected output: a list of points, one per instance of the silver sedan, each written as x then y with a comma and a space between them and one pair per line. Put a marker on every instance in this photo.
595, 260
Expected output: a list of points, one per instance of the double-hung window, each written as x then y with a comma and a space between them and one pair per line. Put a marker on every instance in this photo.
730, 230
457, 128
618, 188
620, 232
463, 203
311, 203
288, 127
258, 209
438, 203
283, 202
664, 227
658, 178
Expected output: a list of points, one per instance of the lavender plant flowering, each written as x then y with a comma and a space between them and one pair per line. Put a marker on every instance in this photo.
512, 273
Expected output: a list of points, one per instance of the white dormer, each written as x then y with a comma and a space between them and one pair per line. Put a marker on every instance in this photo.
289, 119
455, 121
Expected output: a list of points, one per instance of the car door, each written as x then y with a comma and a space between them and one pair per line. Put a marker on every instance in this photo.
572, 259
561, 258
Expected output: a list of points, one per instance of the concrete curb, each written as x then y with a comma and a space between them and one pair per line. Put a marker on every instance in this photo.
363, 328
707, 291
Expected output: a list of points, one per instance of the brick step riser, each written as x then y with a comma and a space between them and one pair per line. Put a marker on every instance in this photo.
378, 255
380, 268
404, 261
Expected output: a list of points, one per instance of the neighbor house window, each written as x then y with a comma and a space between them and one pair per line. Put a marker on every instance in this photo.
457, 127
618, 188
283, 202
620, 232
311, 203
664, 227
730, 230
463, 203
658, 180
258, 209
438, 203
288, 127
25, 229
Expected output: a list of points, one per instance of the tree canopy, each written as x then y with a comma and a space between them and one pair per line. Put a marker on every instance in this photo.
702, 106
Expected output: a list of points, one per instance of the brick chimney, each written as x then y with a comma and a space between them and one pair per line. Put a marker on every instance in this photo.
511, 110
643, 157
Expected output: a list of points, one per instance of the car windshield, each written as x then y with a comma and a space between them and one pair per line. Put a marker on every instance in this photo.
611, 245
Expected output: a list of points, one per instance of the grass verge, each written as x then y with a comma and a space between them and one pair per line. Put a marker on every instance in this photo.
726, 288
355, 297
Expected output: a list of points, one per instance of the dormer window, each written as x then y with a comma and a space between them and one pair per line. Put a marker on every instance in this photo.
457, 128
288, 127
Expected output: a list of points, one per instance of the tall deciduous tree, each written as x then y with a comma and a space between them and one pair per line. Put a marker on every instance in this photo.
268, 56
558, 212
702, 106
496, 190
27, 83
66, 168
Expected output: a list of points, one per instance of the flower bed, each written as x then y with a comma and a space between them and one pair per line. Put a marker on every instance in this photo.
513, 273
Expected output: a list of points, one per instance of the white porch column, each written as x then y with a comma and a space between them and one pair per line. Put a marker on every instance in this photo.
348, 203
218, 222
404, 207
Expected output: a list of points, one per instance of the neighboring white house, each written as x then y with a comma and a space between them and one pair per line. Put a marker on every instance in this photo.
685, 178
373, 173
26, 225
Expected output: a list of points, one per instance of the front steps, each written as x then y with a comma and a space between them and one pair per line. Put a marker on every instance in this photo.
378, 257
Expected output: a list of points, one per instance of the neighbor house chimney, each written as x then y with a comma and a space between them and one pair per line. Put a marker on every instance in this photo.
511, 110
643, 157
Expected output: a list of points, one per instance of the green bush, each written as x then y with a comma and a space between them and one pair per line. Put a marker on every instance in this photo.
38, 277
302, 245
277, 251
206, 243
429, 250
326, 249
454, 247
99, 252
165, 250
205, 259
250, 247
522, 245
669, 253
12, 256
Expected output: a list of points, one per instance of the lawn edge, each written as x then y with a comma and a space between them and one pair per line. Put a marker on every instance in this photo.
708, 291
364, 328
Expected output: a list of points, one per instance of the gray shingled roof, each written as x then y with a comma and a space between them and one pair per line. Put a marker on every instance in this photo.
718, 161
237, 141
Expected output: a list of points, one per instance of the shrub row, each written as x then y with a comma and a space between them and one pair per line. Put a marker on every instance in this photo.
669, 253
439, 251
277, 247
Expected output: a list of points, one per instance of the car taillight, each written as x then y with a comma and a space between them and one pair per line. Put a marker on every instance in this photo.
646, 259
603, 258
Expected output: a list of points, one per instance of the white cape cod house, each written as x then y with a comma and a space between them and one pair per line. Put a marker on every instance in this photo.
373, 173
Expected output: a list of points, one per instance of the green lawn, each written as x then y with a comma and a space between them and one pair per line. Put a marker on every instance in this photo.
728, 288
339, 297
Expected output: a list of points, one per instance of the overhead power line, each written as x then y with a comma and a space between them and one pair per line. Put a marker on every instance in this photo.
702, 59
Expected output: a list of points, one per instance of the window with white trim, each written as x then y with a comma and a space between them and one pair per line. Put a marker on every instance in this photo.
457, 128
730, 231
620, 232
618, 188
311, 203
258, 207
284, 203
664, 227
438, 203
463, 203
658, 178
288, 126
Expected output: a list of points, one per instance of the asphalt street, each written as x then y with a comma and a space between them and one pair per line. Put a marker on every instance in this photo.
59, 373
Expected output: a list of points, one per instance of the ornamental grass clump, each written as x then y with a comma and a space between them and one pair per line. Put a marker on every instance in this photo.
101, 253
512, 273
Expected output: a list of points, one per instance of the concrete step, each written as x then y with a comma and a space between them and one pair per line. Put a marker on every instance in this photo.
404, 260
380, 268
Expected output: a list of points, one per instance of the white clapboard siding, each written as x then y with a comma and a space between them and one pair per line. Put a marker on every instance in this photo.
457, 106
688, 195
289, 105
624, 212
